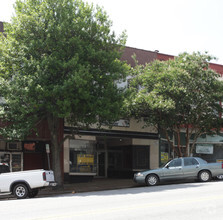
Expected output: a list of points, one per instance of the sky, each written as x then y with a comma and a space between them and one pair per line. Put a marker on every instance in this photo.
170, 26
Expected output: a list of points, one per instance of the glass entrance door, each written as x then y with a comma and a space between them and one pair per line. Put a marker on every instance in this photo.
101, 164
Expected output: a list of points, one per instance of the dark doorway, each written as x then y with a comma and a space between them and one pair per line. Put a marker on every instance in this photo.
141, 155
34, 156
33, 161
101, 164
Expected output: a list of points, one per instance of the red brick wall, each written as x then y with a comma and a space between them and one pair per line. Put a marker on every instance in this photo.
44, 133
164, 57
142, 56
217, 67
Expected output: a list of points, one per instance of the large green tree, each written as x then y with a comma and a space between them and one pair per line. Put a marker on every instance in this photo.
178, 96
59, 59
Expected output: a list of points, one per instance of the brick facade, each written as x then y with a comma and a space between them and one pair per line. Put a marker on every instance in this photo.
142, 56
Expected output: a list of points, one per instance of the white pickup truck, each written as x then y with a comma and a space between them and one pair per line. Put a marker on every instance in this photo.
24, 184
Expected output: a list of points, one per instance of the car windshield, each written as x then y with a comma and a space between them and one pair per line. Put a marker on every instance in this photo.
165, 164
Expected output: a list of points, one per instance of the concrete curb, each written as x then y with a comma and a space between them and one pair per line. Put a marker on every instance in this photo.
94, 186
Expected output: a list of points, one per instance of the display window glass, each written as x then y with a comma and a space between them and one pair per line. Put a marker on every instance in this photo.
13, 159
5, 158
82, 156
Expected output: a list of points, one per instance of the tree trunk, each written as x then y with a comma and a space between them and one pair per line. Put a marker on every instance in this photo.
178, 143
54, 124
169, 141
187, 142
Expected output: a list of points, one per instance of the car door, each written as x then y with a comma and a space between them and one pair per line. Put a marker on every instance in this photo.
173, 170
191, 167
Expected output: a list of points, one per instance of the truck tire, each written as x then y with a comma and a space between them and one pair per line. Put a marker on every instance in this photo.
33, 193
20, 191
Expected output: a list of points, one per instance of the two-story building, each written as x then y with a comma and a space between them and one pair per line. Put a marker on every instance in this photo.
116, 152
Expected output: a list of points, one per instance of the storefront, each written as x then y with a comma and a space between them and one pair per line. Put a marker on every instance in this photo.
34, 155
25, 155
210, 148
109, 154
11, 154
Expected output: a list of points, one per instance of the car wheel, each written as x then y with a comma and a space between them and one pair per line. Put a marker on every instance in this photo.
204, 176
220, 177
33, 193
152, 180
20, 191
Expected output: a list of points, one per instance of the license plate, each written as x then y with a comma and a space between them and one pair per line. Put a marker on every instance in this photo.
53, 184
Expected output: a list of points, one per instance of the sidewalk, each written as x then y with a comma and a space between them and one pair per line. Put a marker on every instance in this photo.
94, 185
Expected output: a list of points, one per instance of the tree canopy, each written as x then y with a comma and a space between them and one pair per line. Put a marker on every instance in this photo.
181, 95
59, 59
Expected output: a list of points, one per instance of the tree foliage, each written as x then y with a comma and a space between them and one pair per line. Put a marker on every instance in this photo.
178, 96
60, 60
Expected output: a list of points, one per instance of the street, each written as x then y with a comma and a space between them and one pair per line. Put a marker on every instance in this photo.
173, 201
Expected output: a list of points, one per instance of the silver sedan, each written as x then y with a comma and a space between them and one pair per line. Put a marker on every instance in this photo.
181, 169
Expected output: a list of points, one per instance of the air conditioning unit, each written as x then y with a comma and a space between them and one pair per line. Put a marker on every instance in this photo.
14, 146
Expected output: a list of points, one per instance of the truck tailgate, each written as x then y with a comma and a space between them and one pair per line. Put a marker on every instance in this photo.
49, 176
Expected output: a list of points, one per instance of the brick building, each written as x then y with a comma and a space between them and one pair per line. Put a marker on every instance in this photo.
116, 152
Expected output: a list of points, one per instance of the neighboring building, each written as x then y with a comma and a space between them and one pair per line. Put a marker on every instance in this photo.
27, 154
30, 153
207, 147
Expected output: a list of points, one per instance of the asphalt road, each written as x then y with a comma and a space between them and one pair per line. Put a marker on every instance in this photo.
173, 201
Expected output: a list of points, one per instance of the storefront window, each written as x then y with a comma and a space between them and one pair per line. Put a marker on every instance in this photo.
164, 152
82, 156
12, 159
141, 155
16, 162
5, 158
210, 153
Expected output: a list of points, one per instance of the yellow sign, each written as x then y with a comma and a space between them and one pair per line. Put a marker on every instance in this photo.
164, 157
85, 159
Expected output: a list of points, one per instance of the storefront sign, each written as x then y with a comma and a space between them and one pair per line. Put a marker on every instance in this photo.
164, 157
204, 149
85, 163
86, 159
29, 146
